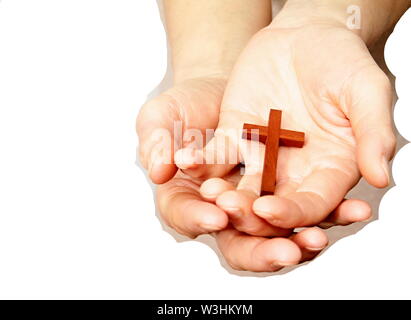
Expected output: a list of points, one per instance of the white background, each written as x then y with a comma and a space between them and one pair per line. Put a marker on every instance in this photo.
77, 217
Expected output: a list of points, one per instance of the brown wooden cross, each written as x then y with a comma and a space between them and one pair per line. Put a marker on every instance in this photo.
273, 137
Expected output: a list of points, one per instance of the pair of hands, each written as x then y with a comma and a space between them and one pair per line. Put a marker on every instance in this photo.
324, 79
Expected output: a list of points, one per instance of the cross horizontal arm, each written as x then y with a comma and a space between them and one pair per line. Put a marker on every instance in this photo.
288, 138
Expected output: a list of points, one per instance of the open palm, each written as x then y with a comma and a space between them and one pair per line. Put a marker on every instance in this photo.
328, 85
181, 198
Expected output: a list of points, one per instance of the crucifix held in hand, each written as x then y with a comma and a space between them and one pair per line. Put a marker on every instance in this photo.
273, 137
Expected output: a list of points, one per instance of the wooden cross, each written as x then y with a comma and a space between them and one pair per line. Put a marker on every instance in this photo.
273, 137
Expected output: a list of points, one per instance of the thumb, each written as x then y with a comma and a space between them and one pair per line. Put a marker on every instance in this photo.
155, 124
224, 151
370, 114
218, 157
171, 120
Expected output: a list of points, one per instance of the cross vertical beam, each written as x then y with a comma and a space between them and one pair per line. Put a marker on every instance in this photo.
272, 145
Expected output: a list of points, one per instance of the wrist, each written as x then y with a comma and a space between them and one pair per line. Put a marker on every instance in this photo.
299, 13
369, 19
200, 67
200, 57
206, 36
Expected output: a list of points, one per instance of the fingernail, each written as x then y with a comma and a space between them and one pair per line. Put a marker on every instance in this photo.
385, 167
209, 196
326, 225
185, 166
180, 158
265, 215
281, 264
234, 212
315, 249
209, 227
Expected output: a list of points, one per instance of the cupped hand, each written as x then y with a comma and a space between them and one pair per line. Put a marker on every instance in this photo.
184, 209
193, 104
327, 84
182, 206
191, 210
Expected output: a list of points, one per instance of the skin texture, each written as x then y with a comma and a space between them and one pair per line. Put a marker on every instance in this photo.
324, 79
280, 67
206, 36
183, 207
377, 16
200, 71
343, 105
